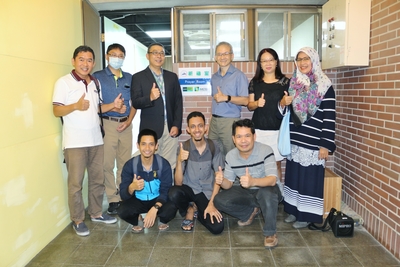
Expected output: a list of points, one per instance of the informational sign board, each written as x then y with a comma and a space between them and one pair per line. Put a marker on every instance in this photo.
195, 81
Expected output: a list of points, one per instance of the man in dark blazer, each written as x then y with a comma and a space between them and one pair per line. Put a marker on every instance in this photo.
157, 93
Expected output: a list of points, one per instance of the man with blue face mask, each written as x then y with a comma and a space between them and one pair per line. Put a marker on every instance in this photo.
115, 83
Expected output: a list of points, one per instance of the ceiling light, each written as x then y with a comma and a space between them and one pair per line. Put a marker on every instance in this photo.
159, 34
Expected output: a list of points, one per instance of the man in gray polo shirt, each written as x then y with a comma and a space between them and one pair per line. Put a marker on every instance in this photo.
198, 160
254, 165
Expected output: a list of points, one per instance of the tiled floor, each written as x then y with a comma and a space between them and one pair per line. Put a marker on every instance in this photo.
115, 245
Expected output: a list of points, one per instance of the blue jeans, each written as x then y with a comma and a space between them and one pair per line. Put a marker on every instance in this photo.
240, 202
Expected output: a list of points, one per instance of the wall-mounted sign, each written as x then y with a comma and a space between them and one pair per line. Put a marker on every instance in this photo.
195, 81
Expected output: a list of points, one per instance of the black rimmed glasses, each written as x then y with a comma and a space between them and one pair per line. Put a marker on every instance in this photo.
156, 53
305, 59
118, 56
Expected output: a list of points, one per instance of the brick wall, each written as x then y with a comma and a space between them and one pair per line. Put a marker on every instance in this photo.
367, 129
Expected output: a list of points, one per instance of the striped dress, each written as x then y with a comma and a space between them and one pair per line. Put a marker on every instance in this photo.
304, 173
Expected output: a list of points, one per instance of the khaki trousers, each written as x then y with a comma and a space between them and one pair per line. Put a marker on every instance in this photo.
77, 161
117, 151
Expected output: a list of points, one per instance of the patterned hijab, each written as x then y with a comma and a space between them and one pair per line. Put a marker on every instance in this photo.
309, 89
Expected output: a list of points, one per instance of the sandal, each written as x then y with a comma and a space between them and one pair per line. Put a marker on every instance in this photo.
186, 224
163, 227
137, 229
195, 211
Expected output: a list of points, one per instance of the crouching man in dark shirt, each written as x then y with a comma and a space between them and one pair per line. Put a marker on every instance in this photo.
145, 181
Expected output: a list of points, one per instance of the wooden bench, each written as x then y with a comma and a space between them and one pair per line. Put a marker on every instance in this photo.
332, 191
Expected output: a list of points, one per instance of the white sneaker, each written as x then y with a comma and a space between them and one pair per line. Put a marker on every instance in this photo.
105, 218
291, 218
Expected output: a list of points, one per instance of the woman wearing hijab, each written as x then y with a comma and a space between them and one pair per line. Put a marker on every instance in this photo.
265, 89
312, 137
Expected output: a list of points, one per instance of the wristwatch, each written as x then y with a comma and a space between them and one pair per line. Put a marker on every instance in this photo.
156, 206
229, 99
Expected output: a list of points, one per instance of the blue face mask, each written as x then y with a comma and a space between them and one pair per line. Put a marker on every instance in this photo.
115, 62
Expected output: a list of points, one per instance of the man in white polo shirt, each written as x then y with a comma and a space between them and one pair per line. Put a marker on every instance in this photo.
76, 101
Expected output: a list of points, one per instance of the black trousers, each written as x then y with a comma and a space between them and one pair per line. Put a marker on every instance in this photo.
130, 209
182, 195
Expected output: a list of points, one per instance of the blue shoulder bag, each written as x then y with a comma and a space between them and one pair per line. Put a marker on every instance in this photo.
284, 135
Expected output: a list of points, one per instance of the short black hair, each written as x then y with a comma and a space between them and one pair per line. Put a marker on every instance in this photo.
147, 132
195, 114
82, 48
154, 44
243, 123
116, 46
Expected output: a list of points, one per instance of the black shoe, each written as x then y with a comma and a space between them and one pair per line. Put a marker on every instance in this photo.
112, 208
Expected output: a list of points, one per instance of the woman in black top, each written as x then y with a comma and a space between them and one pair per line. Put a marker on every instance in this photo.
266, 90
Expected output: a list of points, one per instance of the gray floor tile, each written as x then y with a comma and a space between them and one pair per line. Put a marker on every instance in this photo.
130, 256
207, 239
170, 257
252, 257
247, 239
107, 238
90, 254
334, 256
116, 245
220, 257
374, 256
321, 239
300, 256
139, 240
68, 235
291, 239
360, 238
56, 252
171, 239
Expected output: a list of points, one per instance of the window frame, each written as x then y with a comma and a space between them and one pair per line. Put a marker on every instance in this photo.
212, 20
250, 28
287, 29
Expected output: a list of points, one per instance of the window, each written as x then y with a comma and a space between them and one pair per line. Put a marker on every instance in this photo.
248, 31
203, 30
286, 31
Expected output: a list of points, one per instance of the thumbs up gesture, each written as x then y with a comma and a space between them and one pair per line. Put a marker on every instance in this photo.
219, 176
138, 182
183, 154
219, 96
82, 103
246, 179
261, 101
122, 110
154, 93
286, 99
118, 101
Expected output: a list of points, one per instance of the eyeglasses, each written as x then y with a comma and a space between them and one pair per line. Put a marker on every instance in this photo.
305, 59
223, 54
156, 53
267, 61
118, 56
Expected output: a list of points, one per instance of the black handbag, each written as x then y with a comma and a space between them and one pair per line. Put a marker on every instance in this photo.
341, 224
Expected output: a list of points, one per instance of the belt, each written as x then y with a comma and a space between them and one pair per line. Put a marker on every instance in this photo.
217, 116
117, 119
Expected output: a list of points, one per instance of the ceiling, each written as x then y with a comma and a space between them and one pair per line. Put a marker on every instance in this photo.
139, 16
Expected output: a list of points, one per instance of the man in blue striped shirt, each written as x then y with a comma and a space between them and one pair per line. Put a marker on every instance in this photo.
250, 182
